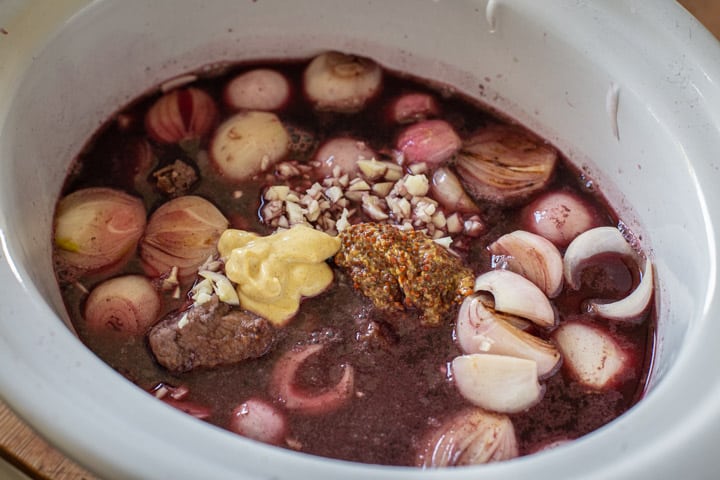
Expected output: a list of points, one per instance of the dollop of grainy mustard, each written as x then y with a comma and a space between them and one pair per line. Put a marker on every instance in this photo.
274, 272
400, 269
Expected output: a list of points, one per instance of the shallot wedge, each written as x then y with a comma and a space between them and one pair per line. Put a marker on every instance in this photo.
593, 356
341, 83
516, 295
259, 420
470, 437
532, 256
480, 329
497, 382
282, 385
609, 240
449, 192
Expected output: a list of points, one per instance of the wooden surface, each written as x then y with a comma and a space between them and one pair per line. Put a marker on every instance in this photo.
29, 453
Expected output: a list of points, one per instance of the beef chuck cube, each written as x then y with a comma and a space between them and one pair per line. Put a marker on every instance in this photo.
209, 335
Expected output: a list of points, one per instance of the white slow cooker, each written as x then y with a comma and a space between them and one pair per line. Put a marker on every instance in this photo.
628, 89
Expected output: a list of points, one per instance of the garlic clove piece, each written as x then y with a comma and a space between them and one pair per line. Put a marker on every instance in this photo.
592, 355
497, 382
480, 329
516, 295
449, 192
470, 437
609, 240
532, 256
248, 143
337, 82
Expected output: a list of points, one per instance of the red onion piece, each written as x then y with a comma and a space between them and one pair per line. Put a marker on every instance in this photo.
282, 385
125, 306
259, 89
182, 233
431, 141
560, 217
181, 114
259, 420
97, 228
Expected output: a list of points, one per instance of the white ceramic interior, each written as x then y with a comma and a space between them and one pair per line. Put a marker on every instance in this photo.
67, 65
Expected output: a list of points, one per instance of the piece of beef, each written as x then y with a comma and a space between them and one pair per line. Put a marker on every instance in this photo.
209, 335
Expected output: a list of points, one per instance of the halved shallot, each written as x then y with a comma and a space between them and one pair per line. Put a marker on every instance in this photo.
449, 192
182, 233
182, 114
470, 437
343, 153
259, 420
481, 329
432, 142
516, 295
98, 227
602, 240
284, 388
504, 164
248, 143
532, 256
259, 89
592, 355
560, 217
497, 382
125, 306
341, 83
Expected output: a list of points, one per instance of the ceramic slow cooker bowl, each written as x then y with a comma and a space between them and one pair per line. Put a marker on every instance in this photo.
558, 67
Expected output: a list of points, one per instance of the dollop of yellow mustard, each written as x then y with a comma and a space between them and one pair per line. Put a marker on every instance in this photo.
273, 273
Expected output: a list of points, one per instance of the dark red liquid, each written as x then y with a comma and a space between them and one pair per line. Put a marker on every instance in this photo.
403, 386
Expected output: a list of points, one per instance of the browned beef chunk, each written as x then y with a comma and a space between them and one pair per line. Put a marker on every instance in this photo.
209, 335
